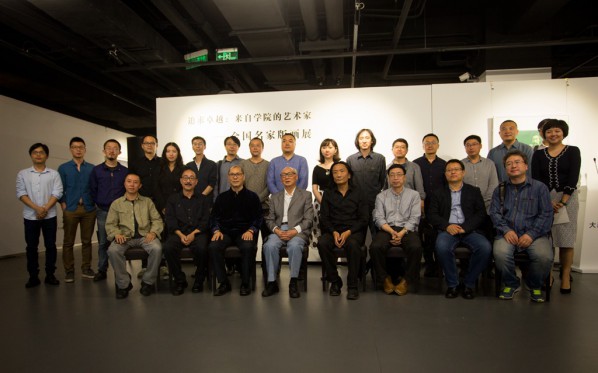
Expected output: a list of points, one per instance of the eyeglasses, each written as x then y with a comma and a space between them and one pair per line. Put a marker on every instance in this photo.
235, 175
514, 163
451, 170
396, 174
428, 143
471, 145
38, 152
287, 174
188, 178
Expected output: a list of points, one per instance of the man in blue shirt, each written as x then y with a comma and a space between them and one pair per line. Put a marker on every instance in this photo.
39, 188
508, 133
78, 209
522, 214
287, 159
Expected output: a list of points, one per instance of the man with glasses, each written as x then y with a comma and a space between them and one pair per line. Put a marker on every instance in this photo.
78, 209
479, 171
235, 220
457, 212
508, 133
290, 219
231, 144
187, 217
287, 159
397, 214
522, 213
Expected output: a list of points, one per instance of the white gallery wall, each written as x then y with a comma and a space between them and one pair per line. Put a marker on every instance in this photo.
22, 125
452, 111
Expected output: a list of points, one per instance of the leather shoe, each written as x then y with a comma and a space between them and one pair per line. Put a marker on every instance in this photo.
401, 288
222, 289
245, 290
179, 288
294, 289
123, 293
468, 293
353, 294
33, 282
389, 287
51, 280
197, 286
146, 289
99, 276
452, 293
271, 289
335, 287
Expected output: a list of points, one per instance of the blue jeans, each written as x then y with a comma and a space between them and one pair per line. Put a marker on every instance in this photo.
540, 254
271, 249
445, 255
102, 240
47, 227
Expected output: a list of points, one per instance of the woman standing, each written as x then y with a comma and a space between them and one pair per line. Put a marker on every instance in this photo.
321, 181
558, 167
168, 182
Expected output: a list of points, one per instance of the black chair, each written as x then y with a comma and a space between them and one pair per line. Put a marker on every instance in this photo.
341, 253
394, 252
284, 254
463, 255
522, 260
232, 252
138, 253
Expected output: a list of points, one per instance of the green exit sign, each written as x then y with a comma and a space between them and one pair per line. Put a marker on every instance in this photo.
227, 54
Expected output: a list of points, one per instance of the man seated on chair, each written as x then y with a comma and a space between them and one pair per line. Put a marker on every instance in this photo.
133, 221
236, 219
187, 217
458, 213
397, 213
290, 219
521, 211
344, 219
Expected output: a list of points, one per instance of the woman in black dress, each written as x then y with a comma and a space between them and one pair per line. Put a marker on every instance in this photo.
168, 181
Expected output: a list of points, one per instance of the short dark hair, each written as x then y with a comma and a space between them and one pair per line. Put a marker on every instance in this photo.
152, 136
326, 142
235, 140
39, 145
454, 160
111, 140
371, 135
431, 134
257, 138
133, 174
542, 123
395, 165
512, 153
348, 170
556, 123
202, 139
76, 139
507, 121
472, 137
288, 134
400, 140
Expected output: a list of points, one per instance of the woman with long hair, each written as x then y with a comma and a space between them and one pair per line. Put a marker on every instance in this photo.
168, 180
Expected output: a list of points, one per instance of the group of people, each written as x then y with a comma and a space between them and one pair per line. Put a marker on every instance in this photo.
497, 206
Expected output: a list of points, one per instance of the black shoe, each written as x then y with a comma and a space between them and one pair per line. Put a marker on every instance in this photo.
468, 293
294, 289
353, 294
271, 289
565, 291
245, 290
335, 287
452, 293
146, 289
222, 289
33, 282
197, 286
179, 288
51, 280
99, 276
123, 293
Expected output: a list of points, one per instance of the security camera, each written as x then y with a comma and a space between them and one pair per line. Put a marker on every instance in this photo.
464, 77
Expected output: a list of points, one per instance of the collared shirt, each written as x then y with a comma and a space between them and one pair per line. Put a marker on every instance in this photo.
39, 187
187, 214
148, 170
369, 174
456, 216
207, 174
432, 173
278, 164
129, 217
234, 213
75, 183
497, 154
287, 201
255, 179
526, 209
107, 184
341, 213
398, 210
413, 178
482, 175
224, 166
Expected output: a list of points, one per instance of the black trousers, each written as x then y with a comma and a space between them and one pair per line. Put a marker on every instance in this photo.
410, 243
171, 250
217, 249
352, 248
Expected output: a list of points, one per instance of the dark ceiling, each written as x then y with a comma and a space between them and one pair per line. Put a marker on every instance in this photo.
106, 61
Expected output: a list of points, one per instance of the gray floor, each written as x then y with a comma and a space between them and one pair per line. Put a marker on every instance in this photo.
81, 327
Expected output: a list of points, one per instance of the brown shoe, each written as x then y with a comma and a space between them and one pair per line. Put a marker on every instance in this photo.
389, 287
401, 288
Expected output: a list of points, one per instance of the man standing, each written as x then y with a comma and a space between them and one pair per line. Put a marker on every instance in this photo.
479, 171
187, 218
457, 212
287, 159
206, 170
508, 133
134, 221
432, 168
235, 220
231, 144
148, 166
397, 214
106, 183
39, 188
344, 219
413, 175
522, 213
290, 219
255, 170
78, 209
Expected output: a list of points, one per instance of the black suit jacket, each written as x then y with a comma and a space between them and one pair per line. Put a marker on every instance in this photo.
472, 205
